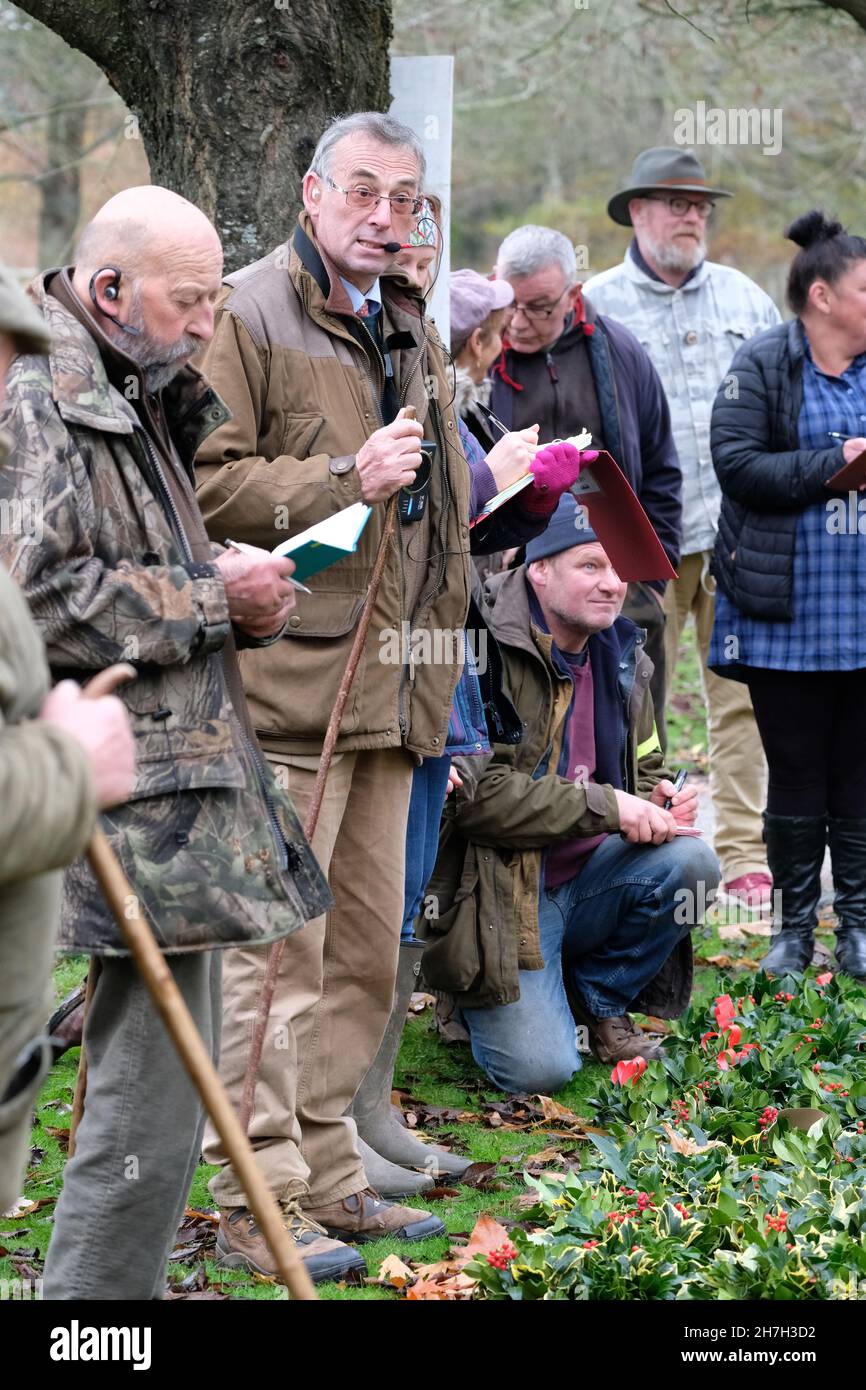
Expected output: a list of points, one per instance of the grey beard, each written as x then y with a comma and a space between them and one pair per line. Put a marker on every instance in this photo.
675, 257
159, 363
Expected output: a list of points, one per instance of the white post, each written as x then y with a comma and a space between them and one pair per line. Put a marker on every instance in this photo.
423, 90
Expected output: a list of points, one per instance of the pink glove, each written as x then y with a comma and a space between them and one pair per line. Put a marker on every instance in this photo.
555, 468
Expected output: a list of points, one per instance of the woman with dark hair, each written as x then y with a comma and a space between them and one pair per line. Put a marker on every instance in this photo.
791, 571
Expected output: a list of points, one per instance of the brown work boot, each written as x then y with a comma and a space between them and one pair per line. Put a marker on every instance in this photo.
241, 1245
619, 1040
364, 1216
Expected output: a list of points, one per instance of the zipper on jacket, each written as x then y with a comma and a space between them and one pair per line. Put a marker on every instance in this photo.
279, 837
554, 381
626, 687
289, 856
402, 721
167, 497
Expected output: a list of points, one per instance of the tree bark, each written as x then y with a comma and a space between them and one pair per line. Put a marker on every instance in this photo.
231, 98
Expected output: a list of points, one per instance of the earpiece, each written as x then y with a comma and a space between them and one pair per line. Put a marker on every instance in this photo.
111, 291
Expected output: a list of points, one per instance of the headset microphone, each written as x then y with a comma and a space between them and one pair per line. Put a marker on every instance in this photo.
392, 247
110, 293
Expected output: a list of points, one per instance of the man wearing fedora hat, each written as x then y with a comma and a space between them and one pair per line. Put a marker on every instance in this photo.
691, 315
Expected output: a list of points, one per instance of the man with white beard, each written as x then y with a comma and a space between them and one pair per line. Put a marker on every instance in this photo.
691, 315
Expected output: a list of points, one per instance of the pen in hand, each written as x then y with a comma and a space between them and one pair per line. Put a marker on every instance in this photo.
679, 783
296, 583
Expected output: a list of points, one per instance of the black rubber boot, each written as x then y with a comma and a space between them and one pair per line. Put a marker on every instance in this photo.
848, 857
379, 1123
795, 854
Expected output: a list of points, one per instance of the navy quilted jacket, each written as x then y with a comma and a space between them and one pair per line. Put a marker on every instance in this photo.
766, 478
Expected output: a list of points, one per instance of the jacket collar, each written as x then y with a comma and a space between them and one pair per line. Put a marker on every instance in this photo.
79, 380
398, 291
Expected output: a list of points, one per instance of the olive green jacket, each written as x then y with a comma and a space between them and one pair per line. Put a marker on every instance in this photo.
514, 805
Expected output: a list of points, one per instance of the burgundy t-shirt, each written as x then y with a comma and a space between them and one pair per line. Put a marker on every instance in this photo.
566, 859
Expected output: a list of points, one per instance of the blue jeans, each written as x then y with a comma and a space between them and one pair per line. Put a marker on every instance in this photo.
612, 928
429, 783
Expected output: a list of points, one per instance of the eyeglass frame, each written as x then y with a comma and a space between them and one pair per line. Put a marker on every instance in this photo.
705, 206
536, 315
417, 201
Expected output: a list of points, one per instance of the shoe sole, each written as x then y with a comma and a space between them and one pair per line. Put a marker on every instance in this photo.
416, 1230
320, 1273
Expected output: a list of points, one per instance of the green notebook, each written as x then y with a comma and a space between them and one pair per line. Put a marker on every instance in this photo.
326, 542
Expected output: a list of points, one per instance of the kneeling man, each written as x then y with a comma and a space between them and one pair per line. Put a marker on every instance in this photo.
564, 893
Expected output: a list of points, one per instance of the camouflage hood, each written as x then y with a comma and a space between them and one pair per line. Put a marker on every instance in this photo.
113, 557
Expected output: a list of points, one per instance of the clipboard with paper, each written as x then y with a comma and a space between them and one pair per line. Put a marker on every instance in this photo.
614, 512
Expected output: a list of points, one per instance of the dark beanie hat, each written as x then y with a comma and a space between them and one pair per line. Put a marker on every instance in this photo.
566, 529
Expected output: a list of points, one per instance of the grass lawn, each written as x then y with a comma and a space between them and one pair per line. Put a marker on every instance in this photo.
428, 1069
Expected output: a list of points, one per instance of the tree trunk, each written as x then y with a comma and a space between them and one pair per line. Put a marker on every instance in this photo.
230, 99
61, 187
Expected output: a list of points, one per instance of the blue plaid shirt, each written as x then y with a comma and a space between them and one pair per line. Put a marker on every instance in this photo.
828, 628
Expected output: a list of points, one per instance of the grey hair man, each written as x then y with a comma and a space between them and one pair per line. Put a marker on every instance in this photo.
316, 351
691, 315
566, 367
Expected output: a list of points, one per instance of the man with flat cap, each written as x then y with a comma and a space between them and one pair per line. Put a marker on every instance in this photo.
691, 315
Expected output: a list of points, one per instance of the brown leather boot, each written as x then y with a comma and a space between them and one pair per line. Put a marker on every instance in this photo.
364, 1216
241, 1245
619, 1040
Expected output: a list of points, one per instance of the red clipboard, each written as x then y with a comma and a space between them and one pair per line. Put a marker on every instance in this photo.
620, 522
851, 476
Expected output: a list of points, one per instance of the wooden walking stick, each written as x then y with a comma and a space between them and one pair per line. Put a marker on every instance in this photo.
275, 954
168, 999
81, 1074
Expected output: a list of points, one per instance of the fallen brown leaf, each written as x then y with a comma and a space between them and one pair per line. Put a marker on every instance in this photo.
457, 1287
479, 1175
445, 1279
23, 1208
548, 1155
656, 1025
193, 1214
732, 932
419, 1002
682, 1144
724, 962
552, 1110
393, 1271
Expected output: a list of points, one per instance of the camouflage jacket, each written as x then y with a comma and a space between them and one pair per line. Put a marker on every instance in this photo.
107, 543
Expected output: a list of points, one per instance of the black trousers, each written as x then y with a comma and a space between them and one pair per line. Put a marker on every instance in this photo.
812, 727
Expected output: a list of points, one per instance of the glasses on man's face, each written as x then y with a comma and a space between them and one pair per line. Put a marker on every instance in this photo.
402, 204
680, 206
536, 313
